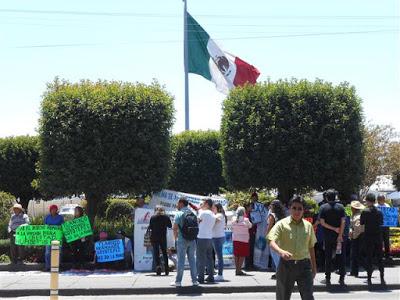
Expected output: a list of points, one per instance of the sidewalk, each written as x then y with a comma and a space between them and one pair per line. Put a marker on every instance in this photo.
35, 283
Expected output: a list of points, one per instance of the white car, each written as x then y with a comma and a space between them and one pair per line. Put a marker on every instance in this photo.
67, 211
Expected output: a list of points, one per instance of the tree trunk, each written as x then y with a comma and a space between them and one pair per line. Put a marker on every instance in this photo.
93, 200
285, 194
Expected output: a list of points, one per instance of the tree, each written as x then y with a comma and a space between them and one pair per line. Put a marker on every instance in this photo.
293, 135
18, 158
396, 179
381, 152
104, 138
196, 165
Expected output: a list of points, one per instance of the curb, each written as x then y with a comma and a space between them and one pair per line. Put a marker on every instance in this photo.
189, 290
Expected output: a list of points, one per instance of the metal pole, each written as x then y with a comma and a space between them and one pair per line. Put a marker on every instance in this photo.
186, 62
55, 263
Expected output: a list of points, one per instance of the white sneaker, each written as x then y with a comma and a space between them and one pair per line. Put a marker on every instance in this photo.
195, 283
219, 278
177, 284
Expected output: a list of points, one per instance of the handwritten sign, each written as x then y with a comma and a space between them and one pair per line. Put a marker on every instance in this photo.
390, 216
109, 250
77, 229
38, 235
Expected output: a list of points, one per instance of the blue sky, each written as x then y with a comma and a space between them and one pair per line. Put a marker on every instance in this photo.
141, 40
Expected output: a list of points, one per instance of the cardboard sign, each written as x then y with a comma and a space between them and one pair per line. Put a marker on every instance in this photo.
112, 250
77, 229
37, 235
390, 216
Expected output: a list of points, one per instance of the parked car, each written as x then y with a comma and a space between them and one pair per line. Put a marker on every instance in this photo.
67, 211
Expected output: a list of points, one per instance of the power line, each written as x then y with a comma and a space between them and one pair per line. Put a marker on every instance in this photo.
157, 15
316, 34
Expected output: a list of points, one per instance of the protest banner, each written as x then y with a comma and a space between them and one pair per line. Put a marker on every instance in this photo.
112, 250
390, 216
261, 251
143, 253
227, 248
76, 229
37, 235
168, 199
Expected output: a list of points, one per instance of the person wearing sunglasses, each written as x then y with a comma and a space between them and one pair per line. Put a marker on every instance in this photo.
293, 239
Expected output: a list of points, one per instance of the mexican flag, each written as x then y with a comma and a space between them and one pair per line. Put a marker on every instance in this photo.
205, 58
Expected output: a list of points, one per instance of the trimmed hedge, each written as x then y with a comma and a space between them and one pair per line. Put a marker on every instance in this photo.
196, 165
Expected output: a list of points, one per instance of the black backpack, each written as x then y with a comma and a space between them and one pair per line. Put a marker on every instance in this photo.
190, 226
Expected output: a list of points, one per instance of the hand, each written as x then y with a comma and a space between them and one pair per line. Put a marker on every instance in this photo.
285, 255
337, 230
340, 239
314, 272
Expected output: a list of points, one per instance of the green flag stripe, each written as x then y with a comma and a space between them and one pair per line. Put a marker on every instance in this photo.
198, 55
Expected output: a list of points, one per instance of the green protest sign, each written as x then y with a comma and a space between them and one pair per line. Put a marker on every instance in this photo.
76, 229
37, 235
348, 210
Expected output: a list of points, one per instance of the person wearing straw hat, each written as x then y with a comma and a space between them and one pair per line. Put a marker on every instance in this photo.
17, 219
356, 233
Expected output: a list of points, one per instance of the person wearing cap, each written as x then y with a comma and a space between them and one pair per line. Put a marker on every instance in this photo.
79, 247
356, 233
372, 218
17, 219
385, 230
55, 219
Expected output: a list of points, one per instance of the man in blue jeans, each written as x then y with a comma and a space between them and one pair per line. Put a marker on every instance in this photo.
183, 246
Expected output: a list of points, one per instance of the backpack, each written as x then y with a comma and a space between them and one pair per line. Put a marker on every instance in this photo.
190, 226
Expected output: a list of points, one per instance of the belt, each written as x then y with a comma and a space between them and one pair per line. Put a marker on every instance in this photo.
295, 262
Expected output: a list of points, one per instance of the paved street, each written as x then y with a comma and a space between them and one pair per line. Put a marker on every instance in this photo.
35, 283
393, 295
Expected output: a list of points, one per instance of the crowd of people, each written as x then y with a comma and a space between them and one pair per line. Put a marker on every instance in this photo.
297, 247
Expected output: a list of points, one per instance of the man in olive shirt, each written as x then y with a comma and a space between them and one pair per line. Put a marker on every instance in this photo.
294, 239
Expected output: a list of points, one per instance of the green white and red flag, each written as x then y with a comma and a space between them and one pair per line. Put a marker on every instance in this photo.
206, 58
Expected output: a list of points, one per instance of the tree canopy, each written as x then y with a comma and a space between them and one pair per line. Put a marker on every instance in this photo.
18, 158
196, 165
104, 138
293, 135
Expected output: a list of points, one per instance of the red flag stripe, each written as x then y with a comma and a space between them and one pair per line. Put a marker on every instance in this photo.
245, 73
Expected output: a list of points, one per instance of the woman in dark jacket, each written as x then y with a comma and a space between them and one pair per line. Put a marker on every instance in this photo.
158, 236
79, 247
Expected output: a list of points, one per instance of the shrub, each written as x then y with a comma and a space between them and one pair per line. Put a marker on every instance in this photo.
6, 202
239, 198
196, 165
5, 259
111, 227
5, 247
118, 209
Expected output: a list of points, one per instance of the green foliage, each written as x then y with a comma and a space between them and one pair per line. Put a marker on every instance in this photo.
239, 198
118, 209
196, 165
311, 206
37, 221
104, 138
111, 227
6, 202
18, 158
5, 247
293, 135
4, 259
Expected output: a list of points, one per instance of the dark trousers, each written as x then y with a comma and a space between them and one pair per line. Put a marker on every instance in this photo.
330, 248
204, 259
17, 252
157, 245
290, 272
374, 250
386, 241
78, 253
356, 258
249, 260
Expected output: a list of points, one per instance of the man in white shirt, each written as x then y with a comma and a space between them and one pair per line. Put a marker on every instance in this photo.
204, 251
385, 230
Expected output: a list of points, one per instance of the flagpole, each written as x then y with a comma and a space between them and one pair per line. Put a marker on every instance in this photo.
186, 63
